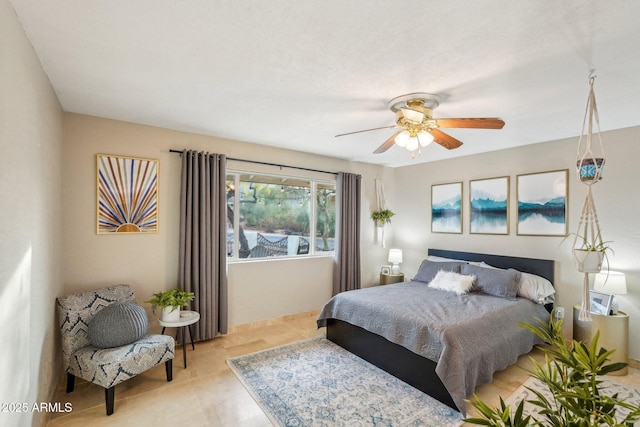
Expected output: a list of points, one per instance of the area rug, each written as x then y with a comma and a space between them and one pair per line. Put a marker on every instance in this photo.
608, 388
317, 383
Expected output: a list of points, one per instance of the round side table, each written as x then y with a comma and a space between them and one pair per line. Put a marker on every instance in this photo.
614, 334
187, 318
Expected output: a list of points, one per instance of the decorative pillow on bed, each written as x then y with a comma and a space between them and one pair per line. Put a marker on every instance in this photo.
452, 282
536, 288
429, 269
533, 287
494, 281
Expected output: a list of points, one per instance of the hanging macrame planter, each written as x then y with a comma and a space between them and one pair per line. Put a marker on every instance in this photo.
383, 215
588, 247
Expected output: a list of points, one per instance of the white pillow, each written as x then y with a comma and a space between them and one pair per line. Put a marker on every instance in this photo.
452, 282
536, 288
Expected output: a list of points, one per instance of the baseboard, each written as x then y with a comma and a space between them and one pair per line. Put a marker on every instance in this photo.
269, 322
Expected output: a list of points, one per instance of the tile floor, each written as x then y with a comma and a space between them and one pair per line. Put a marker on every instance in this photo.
207, 393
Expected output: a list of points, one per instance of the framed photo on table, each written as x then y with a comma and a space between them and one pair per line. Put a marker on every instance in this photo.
386, 269
600, 302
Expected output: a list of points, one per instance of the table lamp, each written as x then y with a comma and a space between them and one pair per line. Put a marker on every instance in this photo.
613, 282
395, 258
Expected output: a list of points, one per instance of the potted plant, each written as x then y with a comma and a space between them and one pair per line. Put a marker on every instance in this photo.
571, 373
382, 217
589, 254
170, 301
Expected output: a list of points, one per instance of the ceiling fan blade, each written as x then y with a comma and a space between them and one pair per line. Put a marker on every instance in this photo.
412, 115
447, 141
387, 144
478, 123
367, 130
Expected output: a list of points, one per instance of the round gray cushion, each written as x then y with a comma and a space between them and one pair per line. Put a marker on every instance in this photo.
118, 324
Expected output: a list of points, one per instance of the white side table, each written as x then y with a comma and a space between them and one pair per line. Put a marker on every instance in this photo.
187, 318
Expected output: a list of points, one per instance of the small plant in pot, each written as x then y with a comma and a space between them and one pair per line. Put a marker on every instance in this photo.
170, 302
382, 217
588, 254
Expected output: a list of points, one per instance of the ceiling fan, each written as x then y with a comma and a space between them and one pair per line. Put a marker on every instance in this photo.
417, 128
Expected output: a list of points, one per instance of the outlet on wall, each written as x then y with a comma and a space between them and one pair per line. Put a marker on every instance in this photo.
559, 313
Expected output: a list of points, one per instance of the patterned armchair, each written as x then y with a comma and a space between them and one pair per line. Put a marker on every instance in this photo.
106, 367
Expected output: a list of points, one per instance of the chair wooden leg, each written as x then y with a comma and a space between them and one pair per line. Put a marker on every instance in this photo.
109, 395
169, 367
71, 382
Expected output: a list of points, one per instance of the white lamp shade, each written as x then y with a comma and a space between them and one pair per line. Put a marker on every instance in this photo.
412, 144
402, 139
425, 138
613, 282
395, 256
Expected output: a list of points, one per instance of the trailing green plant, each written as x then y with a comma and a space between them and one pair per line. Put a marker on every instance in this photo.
570, 372
172, 298
382, 217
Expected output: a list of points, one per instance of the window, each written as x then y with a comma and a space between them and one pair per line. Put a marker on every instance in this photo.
277, 216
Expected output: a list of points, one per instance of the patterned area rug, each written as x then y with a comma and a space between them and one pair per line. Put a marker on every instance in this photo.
317, 383
608, 387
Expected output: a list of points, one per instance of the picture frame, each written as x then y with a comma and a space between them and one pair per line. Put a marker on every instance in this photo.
385, 269
489, 206
542, 205
446, 208
126, 195
600, 302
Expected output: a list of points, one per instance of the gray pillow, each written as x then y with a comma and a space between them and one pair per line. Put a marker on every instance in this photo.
494, 281
118, 324
429, 269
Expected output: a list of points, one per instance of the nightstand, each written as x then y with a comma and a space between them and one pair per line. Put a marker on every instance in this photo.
386, 279
614, 334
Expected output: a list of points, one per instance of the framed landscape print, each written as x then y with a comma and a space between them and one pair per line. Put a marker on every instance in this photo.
489, 206
542, 203
446, 208
127, 195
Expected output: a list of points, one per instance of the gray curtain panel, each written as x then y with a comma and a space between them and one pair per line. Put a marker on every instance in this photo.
203, 229
347, 251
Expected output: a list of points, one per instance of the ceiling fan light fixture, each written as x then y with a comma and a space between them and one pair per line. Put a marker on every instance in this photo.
425, 138
403, 138
412, 144
412, 115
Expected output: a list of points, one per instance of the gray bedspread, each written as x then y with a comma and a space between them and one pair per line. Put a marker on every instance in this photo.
469, 336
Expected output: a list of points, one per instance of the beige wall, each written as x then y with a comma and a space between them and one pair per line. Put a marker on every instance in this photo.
257, 290
30, 229
616, 198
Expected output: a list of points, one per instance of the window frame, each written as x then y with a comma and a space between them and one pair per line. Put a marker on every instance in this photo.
313, 188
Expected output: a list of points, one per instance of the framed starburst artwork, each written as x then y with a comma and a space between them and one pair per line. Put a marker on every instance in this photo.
127, 195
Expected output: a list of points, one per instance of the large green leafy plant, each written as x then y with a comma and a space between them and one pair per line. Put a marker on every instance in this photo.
570, 371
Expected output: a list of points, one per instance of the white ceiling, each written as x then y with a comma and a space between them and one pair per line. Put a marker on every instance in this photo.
293, 74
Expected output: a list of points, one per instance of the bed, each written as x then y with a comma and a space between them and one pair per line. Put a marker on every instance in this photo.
446, 360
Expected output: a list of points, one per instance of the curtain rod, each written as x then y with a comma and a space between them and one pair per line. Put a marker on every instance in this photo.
268, 164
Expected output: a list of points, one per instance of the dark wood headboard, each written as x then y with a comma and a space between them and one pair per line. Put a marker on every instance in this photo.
540, 267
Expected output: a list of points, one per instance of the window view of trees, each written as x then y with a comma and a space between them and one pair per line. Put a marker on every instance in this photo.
273, 216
